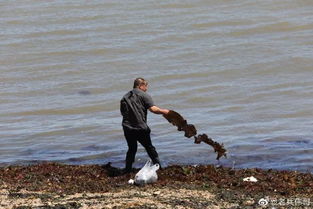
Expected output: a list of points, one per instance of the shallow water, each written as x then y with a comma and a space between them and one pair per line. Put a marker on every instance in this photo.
239, 71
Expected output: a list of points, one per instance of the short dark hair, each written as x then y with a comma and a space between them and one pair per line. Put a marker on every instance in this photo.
140, 81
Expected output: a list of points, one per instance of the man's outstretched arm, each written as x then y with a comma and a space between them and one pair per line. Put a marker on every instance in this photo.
157, 110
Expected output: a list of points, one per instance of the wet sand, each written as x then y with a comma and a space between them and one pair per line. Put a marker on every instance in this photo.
53, 185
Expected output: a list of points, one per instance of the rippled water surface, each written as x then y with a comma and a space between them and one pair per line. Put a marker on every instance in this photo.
240, 71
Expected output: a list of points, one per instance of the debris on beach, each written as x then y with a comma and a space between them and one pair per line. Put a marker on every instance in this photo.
147, 174
250, 179
190, 130
131, 181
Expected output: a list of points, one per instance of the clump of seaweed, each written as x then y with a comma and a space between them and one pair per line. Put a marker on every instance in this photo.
219, 148
190, 130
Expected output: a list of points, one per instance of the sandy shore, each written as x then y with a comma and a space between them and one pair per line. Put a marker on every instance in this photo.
52, 185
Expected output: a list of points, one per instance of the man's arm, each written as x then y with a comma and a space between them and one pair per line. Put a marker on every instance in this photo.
157, 110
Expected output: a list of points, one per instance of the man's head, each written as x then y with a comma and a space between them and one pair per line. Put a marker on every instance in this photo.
141, 84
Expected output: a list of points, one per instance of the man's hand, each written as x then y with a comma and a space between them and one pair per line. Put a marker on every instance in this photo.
157, 110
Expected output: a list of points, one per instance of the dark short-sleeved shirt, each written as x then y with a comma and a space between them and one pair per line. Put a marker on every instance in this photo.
134, 106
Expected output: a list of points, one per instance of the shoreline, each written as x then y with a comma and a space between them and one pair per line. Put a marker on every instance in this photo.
55, 185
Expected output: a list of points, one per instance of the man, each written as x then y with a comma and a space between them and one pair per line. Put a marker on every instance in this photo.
134, 106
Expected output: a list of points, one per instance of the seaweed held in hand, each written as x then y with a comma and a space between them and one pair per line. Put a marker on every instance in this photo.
177, 120
219, 148
190, 130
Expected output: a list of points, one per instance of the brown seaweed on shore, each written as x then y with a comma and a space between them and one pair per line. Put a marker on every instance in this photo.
54, 185
190, 130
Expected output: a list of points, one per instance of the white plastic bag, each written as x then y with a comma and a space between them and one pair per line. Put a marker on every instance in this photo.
147, 174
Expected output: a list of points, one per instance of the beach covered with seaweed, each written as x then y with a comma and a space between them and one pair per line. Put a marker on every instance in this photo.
53, 185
